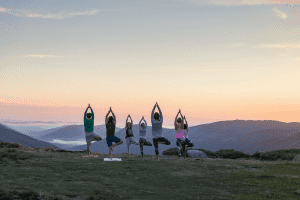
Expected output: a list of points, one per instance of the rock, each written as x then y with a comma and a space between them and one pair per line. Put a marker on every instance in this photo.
196, 154
297, 158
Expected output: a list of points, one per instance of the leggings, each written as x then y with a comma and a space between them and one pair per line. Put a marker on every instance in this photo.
160, 139
142, 143
181, 143
188, 143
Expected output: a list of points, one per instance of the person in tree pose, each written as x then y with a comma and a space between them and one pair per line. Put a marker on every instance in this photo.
179, 132
143, 141
186, 141
89, 129
157, 133
110, 132
129, 134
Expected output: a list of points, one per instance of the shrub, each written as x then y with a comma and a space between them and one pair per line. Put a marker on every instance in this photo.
232, 154
256, 155
8, 145
276, 155
170, 152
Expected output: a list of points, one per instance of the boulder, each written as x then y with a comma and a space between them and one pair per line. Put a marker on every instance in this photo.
196, 154
297, 158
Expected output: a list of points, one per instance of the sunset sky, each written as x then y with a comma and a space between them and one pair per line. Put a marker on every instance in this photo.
215, 60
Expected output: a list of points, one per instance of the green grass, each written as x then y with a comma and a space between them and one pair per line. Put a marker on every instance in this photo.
226, 174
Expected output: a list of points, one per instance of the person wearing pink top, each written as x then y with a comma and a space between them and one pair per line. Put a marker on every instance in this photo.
179, 132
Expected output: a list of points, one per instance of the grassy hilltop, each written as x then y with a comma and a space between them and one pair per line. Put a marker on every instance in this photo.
226, 174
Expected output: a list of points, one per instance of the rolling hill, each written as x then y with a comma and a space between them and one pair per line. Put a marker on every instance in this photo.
244, 135
9, 135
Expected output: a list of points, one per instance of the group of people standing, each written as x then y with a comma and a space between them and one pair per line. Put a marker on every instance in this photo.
181, 130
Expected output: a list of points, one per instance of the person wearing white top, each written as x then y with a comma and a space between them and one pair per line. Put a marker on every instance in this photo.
143, 140
157, 131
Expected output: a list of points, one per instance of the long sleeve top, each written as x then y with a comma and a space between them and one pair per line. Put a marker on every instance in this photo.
89, 123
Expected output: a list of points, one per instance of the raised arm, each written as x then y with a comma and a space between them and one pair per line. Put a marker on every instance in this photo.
115, 120
160, 114
126, 122
131, 121
176, 119
106, 120
152, 114
92, 113
182, 122
85, 112
186, 123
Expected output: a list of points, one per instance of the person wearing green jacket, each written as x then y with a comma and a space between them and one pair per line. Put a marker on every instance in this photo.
89, 129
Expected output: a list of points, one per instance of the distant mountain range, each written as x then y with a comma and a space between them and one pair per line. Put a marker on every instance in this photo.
9, 135
244, 135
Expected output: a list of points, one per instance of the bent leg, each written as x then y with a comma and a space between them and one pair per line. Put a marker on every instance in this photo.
163, 140
98, 138
189, 143
117, 141
133, 141
147, 143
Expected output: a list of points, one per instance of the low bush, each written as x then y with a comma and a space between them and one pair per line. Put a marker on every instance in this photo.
255, 155
14, 155
276, 155
8, 145
27, 195
231, 154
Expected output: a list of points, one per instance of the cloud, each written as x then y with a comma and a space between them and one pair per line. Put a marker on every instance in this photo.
29, 122
280, 14
263, 68
296, 46
3, 9
237, 45
61, 15
43, 56
241, 2
70, 142
2, 100
208, 70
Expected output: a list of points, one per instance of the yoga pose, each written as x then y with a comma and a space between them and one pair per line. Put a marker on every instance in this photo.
157, 133
89, 128
186, 141
129, 134
110, 132
143, 141
179, 132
